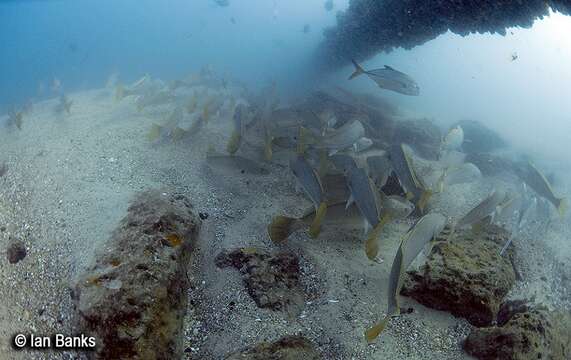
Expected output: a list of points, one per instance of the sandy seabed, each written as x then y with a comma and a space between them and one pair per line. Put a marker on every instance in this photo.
69, 181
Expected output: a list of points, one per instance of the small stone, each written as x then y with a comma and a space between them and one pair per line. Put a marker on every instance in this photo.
16, 252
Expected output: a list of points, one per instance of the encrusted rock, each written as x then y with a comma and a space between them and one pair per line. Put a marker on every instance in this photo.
273, 281
465, 276
533, 334
133, 299
422, 135
286, 348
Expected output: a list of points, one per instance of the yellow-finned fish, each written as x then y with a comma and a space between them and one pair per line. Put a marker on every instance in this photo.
425, 229
311, 184
282, 227
537, 181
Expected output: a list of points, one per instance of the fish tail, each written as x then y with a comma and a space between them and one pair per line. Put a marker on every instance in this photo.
315, 226
358, 70
119, 92
233, 143
373, 332
372, 243
423, 201
562, 208
280, 228
155, 132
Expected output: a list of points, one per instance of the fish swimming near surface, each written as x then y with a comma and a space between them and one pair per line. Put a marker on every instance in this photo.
402, 166
306, 29
426, 228
537, 181
389, 78
236, 137
312, 186
338, 216
328, 5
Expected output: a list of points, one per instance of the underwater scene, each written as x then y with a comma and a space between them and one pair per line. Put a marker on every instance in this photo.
272, 179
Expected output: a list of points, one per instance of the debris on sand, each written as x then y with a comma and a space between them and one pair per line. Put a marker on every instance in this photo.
273, 281
16, 252
286, 348
133, 299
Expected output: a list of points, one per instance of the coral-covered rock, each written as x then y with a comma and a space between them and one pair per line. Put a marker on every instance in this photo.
273, 281
465, 276
286, 348
133, 299
533, 334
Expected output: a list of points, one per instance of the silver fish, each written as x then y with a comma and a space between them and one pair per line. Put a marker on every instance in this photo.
236, 137
393, 208
153, 99
379, 169
340, 138
343, 162
465, 173
234, 164
311, 184
337, 216
453, 139
390, 79
365, 195
402, 165
64, 105
425, 229
488, 207
537, 181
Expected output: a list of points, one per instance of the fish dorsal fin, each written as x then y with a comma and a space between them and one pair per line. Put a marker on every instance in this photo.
389, 68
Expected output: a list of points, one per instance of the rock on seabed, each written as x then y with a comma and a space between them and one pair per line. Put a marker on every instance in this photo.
133, 299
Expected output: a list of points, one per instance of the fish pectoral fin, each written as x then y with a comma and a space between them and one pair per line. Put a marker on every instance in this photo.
315, 226
373, 332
